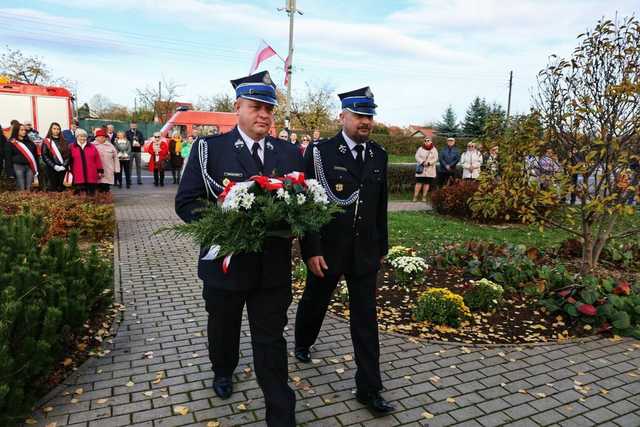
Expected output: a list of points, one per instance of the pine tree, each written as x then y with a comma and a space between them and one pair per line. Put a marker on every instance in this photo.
448, 126
476, 118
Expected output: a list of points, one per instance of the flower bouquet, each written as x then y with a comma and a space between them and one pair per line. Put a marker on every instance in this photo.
249, 212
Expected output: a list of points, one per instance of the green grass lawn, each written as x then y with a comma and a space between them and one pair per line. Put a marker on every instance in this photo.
427, 232
395, 158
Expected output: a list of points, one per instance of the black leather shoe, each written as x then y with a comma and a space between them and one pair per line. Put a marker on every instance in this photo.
375, 403
303, 355
223, 387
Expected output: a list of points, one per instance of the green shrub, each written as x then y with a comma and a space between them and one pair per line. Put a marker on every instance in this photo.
454, 199
605, 304
342, 292
483, 295
440, 306
401, 178
300, 272
47, 293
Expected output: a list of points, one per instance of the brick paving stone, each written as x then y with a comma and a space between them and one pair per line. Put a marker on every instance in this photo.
165, 314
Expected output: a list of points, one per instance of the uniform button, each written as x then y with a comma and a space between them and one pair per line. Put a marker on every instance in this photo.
359, 217
361, 186
361, 202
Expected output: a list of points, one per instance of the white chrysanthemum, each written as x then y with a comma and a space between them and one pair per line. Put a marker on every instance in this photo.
409, 264
301, 198
283, 194
238, 197
317, 192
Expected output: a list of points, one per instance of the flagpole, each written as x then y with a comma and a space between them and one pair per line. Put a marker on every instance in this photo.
292, 12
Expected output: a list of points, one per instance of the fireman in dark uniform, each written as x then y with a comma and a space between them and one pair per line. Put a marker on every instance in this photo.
261, 281
353, 172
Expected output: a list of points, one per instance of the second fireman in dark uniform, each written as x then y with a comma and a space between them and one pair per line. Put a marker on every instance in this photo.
353, 171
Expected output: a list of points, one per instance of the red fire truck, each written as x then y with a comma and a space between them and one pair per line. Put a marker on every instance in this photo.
42, 105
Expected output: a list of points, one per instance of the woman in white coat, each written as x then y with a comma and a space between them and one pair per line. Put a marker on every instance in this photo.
471, 162
426, 160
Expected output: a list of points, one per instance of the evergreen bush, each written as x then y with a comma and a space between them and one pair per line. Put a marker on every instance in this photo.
47, 293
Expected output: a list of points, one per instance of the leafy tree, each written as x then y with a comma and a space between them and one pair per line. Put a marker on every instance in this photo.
589, 111
449, 124
476, 118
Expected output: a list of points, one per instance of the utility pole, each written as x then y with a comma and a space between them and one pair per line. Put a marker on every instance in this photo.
291, 11
509, 101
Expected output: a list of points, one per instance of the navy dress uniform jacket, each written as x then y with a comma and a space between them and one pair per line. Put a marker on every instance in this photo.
355, 240
229, 158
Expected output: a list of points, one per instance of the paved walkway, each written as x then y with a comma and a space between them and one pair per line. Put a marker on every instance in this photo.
158, 365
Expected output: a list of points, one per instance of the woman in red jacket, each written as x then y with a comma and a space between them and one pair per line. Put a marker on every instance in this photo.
86, 165
159, 153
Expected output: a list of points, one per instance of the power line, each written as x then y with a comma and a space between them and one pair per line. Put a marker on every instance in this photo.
181, 49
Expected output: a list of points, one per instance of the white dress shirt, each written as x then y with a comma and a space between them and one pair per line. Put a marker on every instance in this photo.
352, 145
249, 143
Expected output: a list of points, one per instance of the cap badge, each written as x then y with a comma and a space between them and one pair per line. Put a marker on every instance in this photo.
267, 80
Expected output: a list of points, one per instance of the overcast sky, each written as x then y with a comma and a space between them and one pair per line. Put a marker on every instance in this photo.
418, 56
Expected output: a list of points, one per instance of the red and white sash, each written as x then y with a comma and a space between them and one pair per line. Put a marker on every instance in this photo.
24, 150
54, 148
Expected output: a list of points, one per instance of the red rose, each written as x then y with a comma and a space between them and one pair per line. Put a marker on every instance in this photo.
571, 300
587, 309
261, 180
564, 293
623, 288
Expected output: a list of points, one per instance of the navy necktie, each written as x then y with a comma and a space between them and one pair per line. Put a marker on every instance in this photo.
256, 157
359, 157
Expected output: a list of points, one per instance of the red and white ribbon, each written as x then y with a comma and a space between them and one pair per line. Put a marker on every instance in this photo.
54, 148
225, 263
28, 155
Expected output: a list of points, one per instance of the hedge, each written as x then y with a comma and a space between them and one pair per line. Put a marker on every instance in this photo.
47, 293
406, 145
401, 178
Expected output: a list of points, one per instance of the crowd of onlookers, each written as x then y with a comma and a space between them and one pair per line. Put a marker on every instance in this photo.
302, 145
87, 162
448, 164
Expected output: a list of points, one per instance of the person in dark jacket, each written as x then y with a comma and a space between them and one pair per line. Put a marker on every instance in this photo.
69, 135
449, 158
22, 158
135, 137
353, 171
55, 154
259, 280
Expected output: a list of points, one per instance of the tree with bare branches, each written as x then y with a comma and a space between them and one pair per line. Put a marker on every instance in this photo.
159, 100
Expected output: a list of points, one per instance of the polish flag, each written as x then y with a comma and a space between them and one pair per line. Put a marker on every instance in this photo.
287, 64
264, 52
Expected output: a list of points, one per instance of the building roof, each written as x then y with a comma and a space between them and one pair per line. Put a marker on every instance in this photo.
422, 131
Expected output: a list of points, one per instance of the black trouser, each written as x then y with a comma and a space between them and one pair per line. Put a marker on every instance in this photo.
446, 177
55, 180
88, 189
158, 176
175, 173
124, 167
362, 321
267, 312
